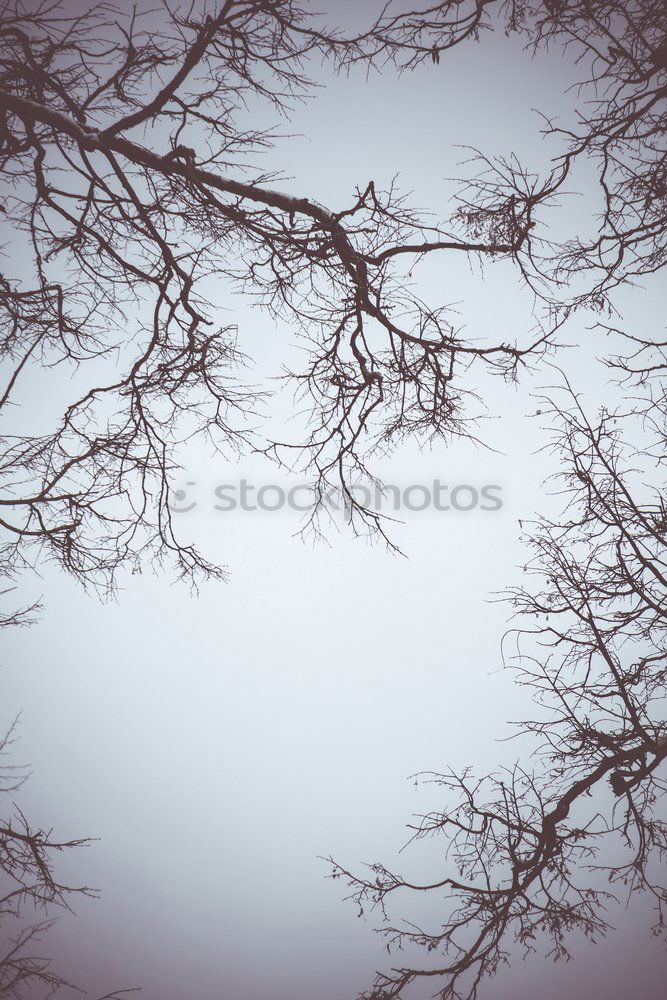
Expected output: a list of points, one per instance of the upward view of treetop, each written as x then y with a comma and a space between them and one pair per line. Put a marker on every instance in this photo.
128, 141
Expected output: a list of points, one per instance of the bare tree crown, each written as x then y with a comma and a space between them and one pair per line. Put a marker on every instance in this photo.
126, 159
127, 147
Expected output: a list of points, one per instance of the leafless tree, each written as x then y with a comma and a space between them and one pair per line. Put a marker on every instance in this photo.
525, 848
534, 854
30, 893
127, 177
621, 48
126, 153
126, 161
128, 180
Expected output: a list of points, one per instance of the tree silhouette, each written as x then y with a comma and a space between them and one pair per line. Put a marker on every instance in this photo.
127, 140
536, 852
30, 887
526, 847
127, 176
128, 181
126, 163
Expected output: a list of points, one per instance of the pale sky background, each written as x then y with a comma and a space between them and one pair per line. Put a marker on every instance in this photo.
218, 744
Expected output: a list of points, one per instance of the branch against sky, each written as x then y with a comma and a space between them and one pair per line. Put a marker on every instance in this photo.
127, 142
533, 855
125, 158
30, 894
126, 146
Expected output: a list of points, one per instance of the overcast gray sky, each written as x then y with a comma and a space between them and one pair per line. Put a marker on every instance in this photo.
217, 744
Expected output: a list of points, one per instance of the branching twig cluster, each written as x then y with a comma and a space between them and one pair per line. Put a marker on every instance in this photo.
525, 849
127, 143
30, 892
126, 162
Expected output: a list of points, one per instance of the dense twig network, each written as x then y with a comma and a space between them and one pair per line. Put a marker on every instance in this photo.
525, 849
127, 141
